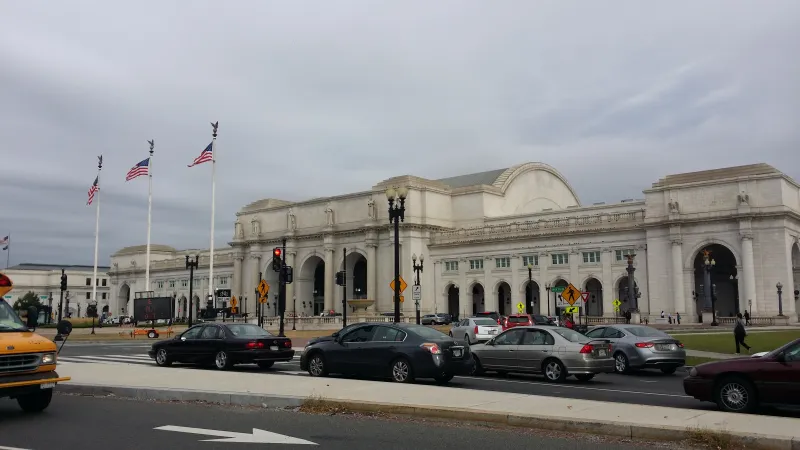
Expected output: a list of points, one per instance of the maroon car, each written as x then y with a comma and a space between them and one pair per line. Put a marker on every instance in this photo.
743, 384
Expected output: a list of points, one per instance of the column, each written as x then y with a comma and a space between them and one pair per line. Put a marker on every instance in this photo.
464, 301
545, 302
237, 275
250, 290
372, 274
574, 276
329, 279
609, 290
489, 296
290, 292
679, 301
749, 270
517, 293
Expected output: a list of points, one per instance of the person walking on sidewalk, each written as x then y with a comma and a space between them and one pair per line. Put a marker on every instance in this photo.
739, 333
678, 317
746, 317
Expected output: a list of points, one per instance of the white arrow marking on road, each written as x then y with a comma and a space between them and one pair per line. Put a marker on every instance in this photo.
11, 448
257, 437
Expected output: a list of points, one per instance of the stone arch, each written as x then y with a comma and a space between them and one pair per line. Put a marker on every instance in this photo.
795, 258
351, 253
451, 291
688, 261
478, 294
310, 280
502, 291
589, 277
497, 285
558, 280
530, 290
124, 299
593, 304
724, 279
448, 285
507, 177
355, 264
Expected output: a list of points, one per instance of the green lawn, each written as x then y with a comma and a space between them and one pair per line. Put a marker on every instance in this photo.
762, 341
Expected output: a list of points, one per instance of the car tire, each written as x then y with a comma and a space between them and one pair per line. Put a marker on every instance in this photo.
35, 402
222, 361
735, 394
162, 358
668, 370
443, 379
477, 369
584, 377
621, 363
265, 364
152, 334
401, 371
466, 339
317, 366
554, 371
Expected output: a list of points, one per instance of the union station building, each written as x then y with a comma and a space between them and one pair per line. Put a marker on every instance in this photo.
502, 240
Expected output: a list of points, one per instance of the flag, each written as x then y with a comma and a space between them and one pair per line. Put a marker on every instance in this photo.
4, 240
206, 156
138, 170
93, 189
5, 248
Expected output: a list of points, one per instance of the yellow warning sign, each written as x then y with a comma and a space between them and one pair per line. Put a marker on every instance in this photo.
571, 294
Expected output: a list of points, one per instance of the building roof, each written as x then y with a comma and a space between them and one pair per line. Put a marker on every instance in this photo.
473, 179
77, 268
717, 174
137, 249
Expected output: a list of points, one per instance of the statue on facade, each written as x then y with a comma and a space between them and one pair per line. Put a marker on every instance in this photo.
674, 208
238, 229
291, 220
371, 211
329, 214
744, 198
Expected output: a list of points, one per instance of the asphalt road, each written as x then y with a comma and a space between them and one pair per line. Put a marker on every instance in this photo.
90, 423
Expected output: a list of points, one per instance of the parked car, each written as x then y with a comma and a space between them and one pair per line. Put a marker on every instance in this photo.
476, 329
641, 347
402, 352
224, 345
743, 384
518, 320
539, 319
333, 335
496, 316
555, 352
435, 319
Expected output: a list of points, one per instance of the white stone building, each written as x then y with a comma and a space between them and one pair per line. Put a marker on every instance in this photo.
480, 232
44, 280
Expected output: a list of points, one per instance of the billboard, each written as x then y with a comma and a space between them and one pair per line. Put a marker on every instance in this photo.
154, 308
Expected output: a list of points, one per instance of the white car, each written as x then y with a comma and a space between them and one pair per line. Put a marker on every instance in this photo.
476, 329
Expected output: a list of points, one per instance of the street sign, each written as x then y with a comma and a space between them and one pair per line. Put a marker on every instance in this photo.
616, 308
416, 292
557, 289
402, 299
616, 303
234, 302
585, 296
572, 310
521, 307
256, 437
234, 310
403, 284
262, 299
263, 288
571, 294
223, 293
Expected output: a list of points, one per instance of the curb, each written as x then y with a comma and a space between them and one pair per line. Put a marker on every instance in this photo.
540, 422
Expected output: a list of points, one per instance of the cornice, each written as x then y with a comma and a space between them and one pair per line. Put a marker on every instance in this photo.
320, 235
728, 218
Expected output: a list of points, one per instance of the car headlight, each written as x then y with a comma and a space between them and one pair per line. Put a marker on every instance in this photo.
693, 372
48, 358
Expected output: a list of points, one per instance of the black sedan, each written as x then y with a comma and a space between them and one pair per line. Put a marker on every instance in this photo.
401, 352
223, 345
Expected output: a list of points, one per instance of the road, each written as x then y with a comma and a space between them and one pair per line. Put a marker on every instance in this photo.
91, 423
643, 388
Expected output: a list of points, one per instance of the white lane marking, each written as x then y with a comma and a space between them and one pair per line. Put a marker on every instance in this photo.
587, 388
11, 448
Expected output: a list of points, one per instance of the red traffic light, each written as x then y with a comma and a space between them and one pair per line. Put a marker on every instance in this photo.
276, 252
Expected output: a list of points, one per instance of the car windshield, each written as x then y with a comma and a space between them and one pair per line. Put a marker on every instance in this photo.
248, 330
484, 322
426, 332
523, 319
9, 320
570, 335
646, 332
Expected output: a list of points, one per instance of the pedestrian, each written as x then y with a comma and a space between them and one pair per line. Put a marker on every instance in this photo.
662, 313
739, 333
678, 317
746, 317
670, 318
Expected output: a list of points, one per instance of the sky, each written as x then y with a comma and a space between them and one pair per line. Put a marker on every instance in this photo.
319, 98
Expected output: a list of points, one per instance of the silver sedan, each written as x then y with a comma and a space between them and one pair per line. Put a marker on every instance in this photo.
642, 347
475, 329
554, 351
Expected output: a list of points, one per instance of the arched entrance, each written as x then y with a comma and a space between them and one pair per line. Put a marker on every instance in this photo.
504, 299
532, 303
724, 281
183, 304
594, 304
452, 301
124, 298
355, 265
796, 276
478, 300
311, 286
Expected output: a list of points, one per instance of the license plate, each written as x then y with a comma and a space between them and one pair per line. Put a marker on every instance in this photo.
665, 347
602, 353
274, 348
457, 352
492, 331
47, 385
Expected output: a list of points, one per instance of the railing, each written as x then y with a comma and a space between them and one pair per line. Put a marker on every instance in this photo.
539, 227
754, 320
602, 320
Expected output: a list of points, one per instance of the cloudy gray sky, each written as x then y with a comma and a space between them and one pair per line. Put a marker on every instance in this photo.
327, 97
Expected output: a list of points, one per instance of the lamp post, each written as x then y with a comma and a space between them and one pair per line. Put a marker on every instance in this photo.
417, 269
548, 287
735, 283
708, 265
397, 214
191, 264
633, 294
780, 298
294, 310
529, 301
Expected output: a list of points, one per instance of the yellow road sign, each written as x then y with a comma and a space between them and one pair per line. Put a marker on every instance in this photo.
403, 284
402, 298
572, 310
616, 303
262, 299
571, 294
234, 310
521, 307
616, 307
263, 288
234, 302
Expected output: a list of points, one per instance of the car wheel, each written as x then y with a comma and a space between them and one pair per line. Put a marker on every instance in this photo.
401, 371
477, 368
466, 339
316, 366
621, 363
162, 358
265, 364
668, 370
222, 361
35, 402
585, 377
734, 394
554, 371
151, 334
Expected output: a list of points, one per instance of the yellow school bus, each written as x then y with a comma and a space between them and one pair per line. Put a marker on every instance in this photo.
27, 360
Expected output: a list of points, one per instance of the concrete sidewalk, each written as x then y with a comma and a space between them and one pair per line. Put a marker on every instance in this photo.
714, 355
268, 390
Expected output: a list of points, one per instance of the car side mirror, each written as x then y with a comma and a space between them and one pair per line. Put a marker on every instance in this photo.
490, 342
33, 317
335, 335
183, 338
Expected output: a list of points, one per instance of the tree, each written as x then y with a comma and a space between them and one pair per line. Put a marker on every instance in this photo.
26, 301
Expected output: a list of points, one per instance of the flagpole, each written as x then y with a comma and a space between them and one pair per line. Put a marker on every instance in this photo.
149, 214
213, 197
8, 251
97, 230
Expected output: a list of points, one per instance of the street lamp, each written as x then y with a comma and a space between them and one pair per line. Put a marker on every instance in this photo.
633, 293
780, 298
548, 287
708, 265
191, 264
529, 301
417, 270
294, 308
397, 214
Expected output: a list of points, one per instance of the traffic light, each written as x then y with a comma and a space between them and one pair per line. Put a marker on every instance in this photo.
63, 280
340, 278
276, 259
288, 275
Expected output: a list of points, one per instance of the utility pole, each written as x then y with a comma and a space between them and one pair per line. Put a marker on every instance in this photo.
344, 288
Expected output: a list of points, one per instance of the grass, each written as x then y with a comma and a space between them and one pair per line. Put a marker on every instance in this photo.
760, 341
712, 440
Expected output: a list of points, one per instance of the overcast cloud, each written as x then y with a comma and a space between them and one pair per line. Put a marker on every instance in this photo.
328, 97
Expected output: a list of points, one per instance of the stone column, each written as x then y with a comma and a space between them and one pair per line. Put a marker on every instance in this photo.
679, 301
609, 290
290, 291
574, 276
252, 297
464, 301
517, 293
329, 279
489, 296
372, 274
544, 294
749, 268
238, 275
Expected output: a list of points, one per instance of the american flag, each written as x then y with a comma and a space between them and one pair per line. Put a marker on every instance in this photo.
206, 156
142, 168
92, 190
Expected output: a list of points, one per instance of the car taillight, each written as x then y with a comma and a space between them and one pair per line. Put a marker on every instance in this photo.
433, 348
610, 348
476, 329
680, 344
587, 349
644, 344
287, 344
255, 344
